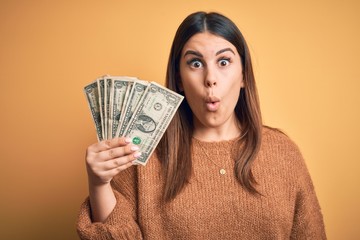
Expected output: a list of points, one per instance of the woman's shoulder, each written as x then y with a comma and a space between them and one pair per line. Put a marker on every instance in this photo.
280, 158
275, 136
271, 131
276, 143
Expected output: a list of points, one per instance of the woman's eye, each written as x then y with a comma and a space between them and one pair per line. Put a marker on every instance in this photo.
196, 63
224, 62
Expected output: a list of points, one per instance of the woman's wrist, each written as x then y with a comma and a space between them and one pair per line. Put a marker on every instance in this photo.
102, 201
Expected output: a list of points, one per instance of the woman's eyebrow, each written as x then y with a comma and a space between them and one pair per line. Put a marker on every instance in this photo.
224, 50
193, 53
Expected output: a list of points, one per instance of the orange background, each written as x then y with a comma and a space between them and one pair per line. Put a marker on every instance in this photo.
306, 60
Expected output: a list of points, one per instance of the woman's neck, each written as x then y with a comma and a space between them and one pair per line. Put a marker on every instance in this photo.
215, 134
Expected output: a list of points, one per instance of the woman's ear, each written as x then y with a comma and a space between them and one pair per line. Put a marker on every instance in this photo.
242, 84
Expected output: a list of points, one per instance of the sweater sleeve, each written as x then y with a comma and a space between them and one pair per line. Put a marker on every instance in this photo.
122, 221
308, 220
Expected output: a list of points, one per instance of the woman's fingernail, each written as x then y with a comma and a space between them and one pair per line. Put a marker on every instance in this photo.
134, 148
137, 154
128, 140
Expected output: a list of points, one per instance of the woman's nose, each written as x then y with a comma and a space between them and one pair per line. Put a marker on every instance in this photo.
210, 78
210, 83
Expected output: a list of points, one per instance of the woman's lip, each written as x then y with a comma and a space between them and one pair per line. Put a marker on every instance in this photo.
212, 103
212, 99
212, 106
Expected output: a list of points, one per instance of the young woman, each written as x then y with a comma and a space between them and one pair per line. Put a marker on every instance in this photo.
218, 173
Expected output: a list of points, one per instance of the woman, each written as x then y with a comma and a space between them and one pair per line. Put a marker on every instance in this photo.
217, 172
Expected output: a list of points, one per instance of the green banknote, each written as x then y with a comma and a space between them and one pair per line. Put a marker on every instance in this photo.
151, 118
92, 97
127, 106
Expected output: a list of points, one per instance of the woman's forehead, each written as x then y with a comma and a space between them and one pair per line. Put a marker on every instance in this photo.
207, 42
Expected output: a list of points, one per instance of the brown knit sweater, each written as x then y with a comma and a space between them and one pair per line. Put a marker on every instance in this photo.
215, 206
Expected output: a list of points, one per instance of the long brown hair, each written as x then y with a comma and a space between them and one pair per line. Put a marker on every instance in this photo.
174, 149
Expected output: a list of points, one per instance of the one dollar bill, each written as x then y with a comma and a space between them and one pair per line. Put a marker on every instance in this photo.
151, 118
92, 96
134, 108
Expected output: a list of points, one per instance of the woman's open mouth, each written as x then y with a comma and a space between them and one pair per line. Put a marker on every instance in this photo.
212, 103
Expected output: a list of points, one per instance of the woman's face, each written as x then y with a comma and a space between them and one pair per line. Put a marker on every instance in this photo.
211, 78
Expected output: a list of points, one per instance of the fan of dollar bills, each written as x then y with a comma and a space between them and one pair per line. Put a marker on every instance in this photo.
134, 108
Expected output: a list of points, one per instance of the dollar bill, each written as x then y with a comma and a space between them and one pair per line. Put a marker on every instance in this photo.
135, 95
101, 86
118, 96
127, 106
92, 96
108, 88
151, 118
126, 100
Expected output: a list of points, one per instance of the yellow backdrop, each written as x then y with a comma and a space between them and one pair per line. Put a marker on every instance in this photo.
306, 60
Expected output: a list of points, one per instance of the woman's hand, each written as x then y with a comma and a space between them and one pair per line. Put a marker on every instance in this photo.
107, 158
